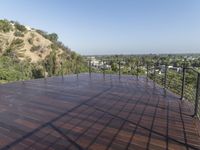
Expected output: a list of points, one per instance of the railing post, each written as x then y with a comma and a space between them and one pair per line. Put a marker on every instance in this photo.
183, 84
137, 69
165, 77
154, 73
147, 71
22, 72
103, 69
90, 67
62, 70
119, 69
44, 71
77, 69
197, 95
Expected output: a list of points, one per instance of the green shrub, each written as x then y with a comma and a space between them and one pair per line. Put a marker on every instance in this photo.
35, 48
30, 41
18, 34
20, 27
54, 47
37, 72
16, 43
5, 26
9, 74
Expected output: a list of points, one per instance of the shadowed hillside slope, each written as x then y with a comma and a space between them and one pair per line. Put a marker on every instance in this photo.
34, 51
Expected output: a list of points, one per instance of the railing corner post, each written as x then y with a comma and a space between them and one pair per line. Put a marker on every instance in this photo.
197, 95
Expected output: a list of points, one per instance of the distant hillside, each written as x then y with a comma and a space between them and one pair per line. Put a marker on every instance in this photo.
23, 44
28, 43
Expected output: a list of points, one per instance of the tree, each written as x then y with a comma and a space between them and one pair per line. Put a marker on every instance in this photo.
53, 37
50, 63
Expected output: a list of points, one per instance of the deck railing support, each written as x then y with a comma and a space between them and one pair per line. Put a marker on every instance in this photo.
183, 83
137, 69
165, 78
119, 70
197, 95
44, 72
90, 67
154, 73
62, 73
22, 72
104, 69
147, 71
77, 69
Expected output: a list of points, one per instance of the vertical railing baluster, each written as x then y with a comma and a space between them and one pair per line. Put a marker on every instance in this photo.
147, 72
62, 73
44, 71
137, 69
90, 67
22, 72
165, 77
183, 83
119, 69
77, 71
103, 69
197, 95
154, 73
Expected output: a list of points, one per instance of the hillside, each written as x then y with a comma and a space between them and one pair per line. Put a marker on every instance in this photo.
27, 43
35, 49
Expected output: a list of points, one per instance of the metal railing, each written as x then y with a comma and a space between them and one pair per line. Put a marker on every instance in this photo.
183, 81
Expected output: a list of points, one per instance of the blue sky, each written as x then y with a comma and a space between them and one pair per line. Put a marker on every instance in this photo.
113, 26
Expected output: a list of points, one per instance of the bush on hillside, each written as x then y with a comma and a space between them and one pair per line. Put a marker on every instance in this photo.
9, 74
54, 47
37, 72
18, 34
35, 48
30, 41
20, 27
16, 43
5, 26
52, 37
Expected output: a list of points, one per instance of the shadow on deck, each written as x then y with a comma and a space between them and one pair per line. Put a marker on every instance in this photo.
94, 113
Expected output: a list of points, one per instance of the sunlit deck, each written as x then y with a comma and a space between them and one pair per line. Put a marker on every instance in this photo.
94, 113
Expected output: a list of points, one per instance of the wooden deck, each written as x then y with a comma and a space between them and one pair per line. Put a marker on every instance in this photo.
93, 113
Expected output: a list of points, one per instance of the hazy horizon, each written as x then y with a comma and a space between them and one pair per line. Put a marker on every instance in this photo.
114, 27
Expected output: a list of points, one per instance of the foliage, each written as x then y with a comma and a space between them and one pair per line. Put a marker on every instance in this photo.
35, 48
37, 72
16, 43
20, 27
52, 37
50, 63
14, 65
5, 26
18, 34
30, 41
